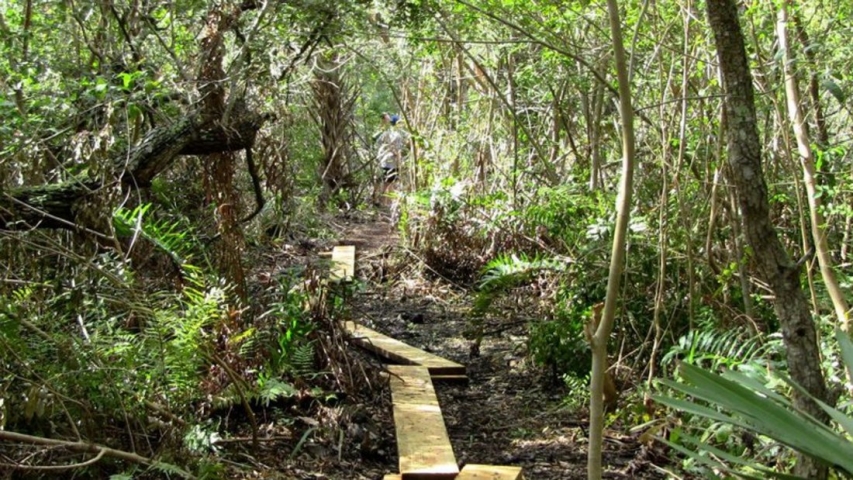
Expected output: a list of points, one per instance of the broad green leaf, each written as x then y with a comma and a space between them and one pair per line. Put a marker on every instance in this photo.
843, 420
764, 416
700, 410
835, 90
703, 459
795, 430
735, 460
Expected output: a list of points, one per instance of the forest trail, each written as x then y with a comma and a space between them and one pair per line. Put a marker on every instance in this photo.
506, 415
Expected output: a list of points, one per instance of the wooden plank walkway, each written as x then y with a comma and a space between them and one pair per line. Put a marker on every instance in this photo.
423, 446
343, 263
400, 352
422, 443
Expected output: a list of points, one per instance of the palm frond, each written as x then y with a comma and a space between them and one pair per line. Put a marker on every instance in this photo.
756, 408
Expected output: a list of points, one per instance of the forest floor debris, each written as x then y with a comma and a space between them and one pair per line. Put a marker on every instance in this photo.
507, 414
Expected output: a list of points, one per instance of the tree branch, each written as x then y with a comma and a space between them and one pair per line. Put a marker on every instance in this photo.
84, 447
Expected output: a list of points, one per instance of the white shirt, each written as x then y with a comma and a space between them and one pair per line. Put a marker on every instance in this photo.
391, 144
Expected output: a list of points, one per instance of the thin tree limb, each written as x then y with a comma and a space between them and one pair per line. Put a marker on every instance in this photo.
81, 446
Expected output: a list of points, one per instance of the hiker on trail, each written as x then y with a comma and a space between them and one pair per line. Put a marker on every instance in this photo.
391, 146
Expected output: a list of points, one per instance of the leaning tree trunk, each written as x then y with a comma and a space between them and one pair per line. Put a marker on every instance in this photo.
772, 261
818, 221
57, 206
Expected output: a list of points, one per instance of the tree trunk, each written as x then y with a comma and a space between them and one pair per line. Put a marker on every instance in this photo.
220, 168
771, 260
334, 105
598, 341
814, 83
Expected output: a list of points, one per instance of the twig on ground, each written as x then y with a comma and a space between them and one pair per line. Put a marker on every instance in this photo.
78, 446
43, 468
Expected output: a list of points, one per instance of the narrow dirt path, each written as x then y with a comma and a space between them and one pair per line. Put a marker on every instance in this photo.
506, 415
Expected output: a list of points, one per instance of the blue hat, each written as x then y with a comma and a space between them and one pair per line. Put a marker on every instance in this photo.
395, 119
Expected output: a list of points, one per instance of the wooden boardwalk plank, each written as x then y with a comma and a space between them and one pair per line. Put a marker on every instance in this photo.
398, 351
343, 263
422, 442
490, 472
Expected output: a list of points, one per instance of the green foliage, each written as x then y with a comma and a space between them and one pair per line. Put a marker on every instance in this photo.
170, 352
173, 238
578, 388
560, 345
289, 347
714, 349
557, 343
748, 400
182, 339
508, 271
302, 360
201, 438
271, 389
557, 212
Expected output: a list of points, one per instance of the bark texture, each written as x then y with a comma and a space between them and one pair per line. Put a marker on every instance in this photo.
770, 258
220, 166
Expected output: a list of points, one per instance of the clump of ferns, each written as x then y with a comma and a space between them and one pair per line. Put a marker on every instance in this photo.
714, 349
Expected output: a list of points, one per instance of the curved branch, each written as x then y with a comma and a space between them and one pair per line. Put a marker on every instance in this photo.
42, 468
256, 185
54, 206
85, 447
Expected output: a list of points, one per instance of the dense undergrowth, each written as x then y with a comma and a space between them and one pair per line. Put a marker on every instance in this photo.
544, 259
94, 348
132, 315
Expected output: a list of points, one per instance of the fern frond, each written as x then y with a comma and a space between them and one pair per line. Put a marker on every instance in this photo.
302, 360
509, 271
273, 389
170, 237
714, 348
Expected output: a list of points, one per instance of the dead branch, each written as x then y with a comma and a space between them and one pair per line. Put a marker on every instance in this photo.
99, 450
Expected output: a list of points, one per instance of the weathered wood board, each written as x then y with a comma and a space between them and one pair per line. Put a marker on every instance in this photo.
343, 263
490, 472
400, 352
422, 443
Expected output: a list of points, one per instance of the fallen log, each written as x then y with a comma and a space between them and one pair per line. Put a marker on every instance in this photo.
54, 206
217, 138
